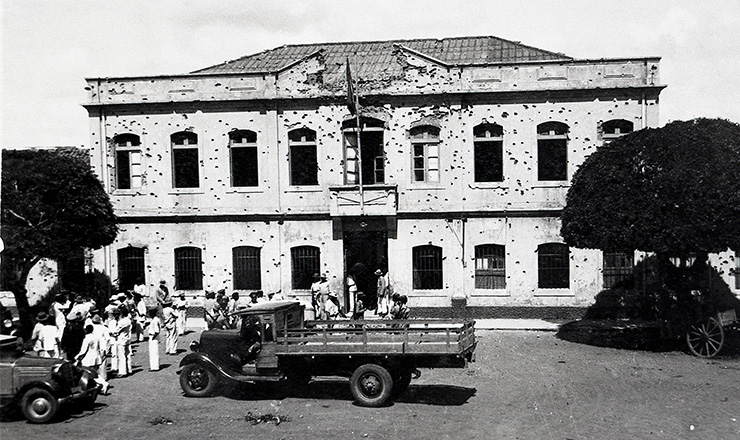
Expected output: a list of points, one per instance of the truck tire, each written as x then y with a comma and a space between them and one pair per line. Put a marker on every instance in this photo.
371, 385
39, 405
197, 380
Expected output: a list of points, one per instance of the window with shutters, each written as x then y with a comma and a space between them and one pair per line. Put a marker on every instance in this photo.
369, 153
188, 268
185, 162
490, 266
305, 261
425, 153
247, 269
128, 169
427, 267
488, 152
552, 151
243, 158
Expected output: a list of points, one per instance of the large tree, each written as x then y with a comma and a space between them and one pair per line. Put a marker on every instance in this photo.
53, 205
674, 191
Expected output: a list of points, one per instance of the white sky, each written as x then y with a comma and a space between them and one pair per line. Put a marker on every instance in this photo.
49, 47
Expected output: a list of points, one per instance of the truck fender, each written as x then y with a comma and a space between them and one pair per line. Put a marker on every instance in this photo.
48, 385
204, 359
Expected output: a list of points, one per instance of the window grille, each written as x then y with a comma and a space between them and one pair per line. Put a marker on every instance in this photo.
490, 267
552, 151
243, 154
427, 267
130, 267
305, 261
247, 273
304, 168
488, 146
553, 266
618, 268
188, 268
185, 164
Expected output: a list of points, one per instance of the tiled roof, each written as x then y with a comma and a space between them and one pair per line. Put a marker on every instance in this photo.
370, 57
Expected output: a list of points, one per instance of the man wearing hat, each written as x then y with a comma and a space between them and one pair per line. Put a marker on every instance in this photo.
383, 293
324, 291
163, 294
46, 336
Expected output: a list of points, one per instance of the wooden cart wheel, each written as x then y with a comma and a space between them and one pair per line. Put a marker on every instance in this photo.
705, 338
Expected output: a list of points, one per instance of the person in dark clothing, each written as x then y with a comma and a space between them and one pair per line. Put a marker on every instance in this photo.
74, 333
252, 335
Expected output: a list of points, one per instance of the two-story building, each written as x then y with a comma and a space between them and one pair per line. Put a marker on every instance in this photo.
248, 174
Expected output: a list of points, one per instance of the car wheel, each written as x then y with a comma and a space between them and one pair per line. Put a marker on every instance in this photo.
39, 405
371, 385
197, 380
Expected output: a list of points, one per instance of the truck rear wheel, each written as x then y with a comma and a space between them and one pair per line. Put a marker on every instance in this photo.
197, 380
39, 405
371, 385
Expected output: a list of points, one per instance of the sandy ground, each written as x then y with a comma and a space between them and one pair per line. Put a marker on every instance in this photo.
524, 385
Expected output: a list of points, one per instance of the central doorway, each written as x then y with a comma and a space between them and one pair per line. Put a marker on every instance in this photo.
365, 251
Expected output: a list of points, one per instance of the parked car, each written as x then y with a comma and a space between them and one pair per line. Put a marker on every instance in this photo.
41, 385
8, 326
380, 357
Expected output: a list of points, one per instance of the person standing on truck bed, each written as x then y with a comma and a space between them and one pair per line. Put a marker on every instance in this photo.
315, 295
383, 293
324, 292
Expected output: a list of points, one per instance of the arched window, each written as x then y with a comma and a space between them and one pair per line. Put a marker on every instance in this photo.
247, 267
128, 161
616, 128
552, 151
553, 266
185, 165
304, 166
304, 261
373, 154
130, 267
427, 267
425, 153
488, 152
243, 155
188, 268
490, 266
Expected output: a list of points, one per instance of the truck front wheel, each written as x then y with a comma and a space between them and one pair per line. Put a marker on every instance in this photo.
39, 405
197, 380
371, 385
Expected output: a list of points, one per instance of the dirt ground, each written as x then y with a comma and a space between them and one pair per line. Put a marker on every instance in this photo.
524, 385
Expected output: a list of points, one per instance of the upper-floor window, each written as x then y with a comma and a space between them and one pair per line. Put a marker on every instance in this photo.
488, 151
368, 155
185, 163
243, 155
304, 166
490, 266
305, 261
552, 151
553, 266
247, 267
131, 267
737, 270
427, 267
128, 161
618, 268
188, 268
425, 153
616, 128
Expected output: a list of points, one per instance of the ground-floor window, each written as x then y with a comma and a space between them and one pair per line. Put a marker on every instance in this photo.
617, 268
490, 267
427, 267
188, 268
553, 266
305, 261
246, 261
130, 267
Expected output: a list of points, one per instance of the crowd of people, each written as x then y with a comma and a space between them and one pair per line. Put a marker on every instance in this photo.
75, 328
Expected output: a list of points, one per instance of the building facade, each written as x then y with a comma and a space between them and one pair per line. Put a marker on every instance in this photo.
248, 175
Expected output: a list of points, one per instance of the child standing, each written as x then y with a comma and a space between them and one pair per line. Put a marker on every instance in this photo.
155, 327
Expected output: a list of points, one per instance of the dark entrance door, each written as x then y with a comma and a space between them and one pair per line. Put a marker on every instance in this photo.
364, 252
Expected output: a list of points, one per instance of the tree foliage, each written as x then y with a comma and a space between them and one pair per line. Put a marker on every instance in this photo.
673, 191
52, 206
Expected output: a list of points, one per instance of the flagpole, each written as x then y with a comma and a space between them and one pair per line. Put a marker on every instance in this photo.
359, 149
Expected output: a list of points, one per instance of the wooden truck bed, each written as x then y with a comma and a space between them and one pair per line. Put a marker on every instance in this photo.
413, 337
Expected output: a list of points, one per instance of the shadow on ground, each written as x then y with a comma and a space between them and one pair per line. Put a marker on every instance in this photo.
338, 389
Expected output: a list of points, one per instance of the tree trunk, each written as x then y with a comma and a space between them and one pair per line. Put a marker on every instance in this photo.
17, 285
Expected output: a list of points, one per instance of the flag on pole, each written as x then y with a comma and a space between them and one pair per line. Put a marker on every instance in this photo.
351, 98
